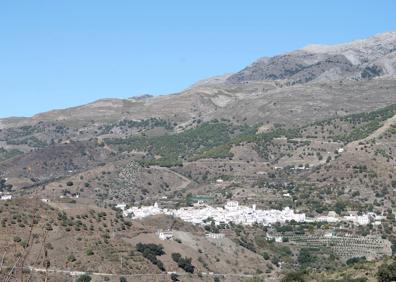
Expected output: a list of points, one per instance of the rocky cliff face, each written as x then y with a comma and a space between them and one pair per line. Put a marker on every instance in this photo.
357, 60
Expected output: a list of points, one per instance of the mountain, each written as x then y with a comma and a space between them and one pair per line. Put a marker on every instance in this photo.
313, 130
272, 89
358, 60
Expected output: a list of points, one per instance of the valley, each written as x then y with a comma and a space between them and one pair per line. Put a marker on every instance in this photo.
284, 170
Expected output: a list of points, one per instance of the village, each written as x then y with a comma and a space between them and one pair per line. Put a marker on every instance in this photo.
202, 214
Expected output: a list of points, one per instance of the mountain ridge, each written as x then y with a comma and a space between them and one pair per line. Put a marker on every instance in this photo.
360, 59
313, 63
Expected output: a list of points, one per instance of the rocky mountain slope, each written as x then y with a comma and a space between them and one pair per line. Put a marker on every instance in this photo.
358, 60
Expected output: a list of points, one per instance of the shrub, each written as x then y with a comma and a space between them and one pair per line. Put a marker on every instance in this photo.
176, 256
89, 252
355, 260
84, 278
294, 277
387, 272
305, 257
174, 277
71, 258
184, 263
265, 255
150, 252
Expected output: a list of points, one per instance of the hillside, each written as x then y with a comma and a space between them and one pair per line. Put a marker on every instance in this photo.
312, 131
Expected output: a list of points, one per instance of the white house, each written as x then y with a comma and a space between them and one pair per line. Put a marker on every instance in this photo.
165, 235
358, 219
215, 235
5, 197
231, 205
121, 206
277, 239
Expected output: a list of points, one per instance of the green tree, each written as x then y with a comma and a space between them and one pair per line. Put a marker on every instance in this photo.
387, 272
305, 257
84, 278
294, 277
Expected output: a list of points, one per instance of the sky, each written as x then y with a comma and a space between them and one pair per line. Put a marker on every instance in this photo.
58, 54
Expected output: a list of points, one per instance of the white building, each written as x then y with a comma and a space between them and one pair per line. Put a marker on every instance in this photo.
358, 219
165, 235
5, 197
277, 239
121, 206
231, 205
215, 235
136, 212
331, 217
198, 204
205, 214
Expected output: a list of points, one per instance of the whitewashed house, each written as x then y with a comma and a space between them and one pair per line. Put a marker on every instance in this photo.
165, 235
5, 197
215, 235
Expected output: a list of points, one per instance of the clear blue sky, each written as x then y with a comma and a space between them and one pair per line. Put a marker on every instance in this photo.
56, 54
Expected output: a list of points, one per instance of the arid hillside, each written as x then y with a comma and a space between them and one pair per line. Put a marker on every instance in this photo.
311, 132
